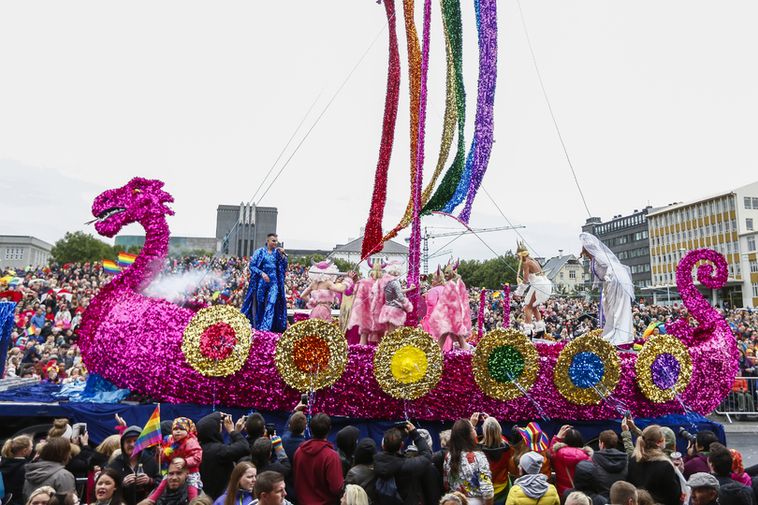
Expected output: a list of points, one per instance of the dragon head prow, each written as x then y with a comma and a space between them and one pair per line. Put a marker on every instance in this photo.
136, 202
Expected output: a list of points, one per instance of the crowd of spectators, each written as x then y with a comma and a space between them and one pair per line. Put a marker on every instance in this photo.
222, 462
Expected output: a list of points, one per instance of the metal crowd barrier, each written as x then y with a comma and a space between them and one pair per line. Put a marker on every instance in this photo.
741, 400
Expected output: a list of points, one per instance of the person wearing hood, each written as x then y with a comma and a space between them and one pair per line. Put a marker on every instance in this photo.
610, 463
317, 467
566, 450
219, 458
15, 454
584, 482
362, 473
498, 453
138, 472
347, 440
50, 469
532, 486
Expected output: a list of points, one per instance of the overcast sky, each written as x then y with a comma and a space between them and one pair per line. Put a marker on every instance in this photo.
657, 103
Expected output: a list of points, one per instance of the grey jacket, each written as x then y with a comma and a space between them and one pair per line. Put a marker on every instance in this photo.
48, 473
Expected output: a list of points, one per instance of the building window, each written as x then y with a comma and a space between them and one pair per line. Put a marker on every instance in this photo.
753, 266
751, 243
755, 290
572, 274
749, 223
748, 202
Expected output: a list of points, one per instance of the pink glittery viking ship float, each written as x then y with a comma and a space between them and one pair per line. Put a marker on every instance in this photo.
174, 354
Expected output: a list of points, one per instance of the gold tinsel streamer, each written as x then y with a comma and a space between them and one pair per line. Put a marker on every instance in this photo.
448, 132
480, 363
654, 347
199, 323
398, 341
594, 343
284, 356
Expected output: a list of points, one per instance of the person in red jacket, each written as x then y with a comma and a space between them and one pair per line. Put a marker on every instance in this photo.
566, 450
317, 467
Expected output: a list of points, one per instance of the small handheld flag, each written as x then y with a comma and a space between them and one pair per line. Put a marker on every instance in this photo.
125, 259
111, 267
151, 433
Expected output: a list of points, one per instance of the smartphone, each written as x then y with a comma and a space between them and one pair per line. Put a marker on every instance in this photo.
271, 429
78, 429
304, 399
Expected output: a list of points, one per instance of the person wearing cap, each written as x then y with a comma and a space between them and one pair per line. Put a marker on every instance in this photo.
136, 483
705, 489
532, 486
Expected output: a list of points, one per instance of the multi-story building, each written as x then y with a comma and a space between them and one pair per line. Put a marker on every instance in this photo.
241, 229
627, 237
18, 251
725, 222
566, 273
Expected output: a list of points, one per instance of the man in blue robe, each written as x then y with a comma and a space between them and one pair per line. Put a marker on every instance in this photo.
265, 303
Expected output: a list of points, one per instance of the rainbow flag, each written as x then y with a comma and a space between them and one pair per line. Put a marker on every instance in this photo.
151, 433
534, 437
125, 259
111, 267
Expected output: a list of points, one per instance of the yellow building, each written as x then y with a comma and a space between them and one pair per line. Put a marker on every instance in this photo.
726, 222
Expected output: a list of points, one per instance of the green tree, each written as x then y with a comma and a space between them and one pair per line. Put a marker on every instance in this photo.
80, 247
491, 273
345, 266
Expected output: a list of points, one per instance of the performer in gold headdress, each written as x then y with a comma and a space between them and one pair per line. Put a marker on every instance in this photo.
535, 289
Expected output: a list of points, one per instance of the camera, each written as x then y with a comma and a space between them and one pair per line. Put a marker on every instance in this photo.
401, 425
689, 437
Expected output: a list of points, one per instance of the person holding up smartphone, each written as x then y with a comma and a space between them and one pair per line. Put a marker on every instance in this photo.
219, 456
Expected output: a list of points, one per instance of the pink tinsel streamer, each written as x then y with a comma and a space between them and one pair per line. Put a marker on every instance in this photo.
480, 320
414, 254
506, 305
373, 235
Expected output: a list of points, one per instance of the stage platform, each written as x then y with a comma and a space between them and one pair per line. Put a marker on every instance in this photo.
27, 404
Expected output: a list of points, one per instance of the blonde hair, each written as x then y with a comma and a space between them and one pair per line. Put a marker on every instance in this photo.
41, 490
15, 445
59, 428
456, 497
647, 448
355, 495
108, 446
444, 438
493, 433
578, 498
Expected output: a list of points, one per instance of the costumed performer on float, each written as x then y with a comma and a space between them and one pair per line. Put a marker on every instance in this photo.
395, 306
450, 319
617, 291
361, 316
321, 293
534, 287
265, 303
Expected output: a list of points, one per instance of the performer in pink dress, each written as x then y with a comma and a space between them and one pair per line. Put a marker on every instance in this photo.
432, 297
395, 305
322, 291
361, 315
450, 319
